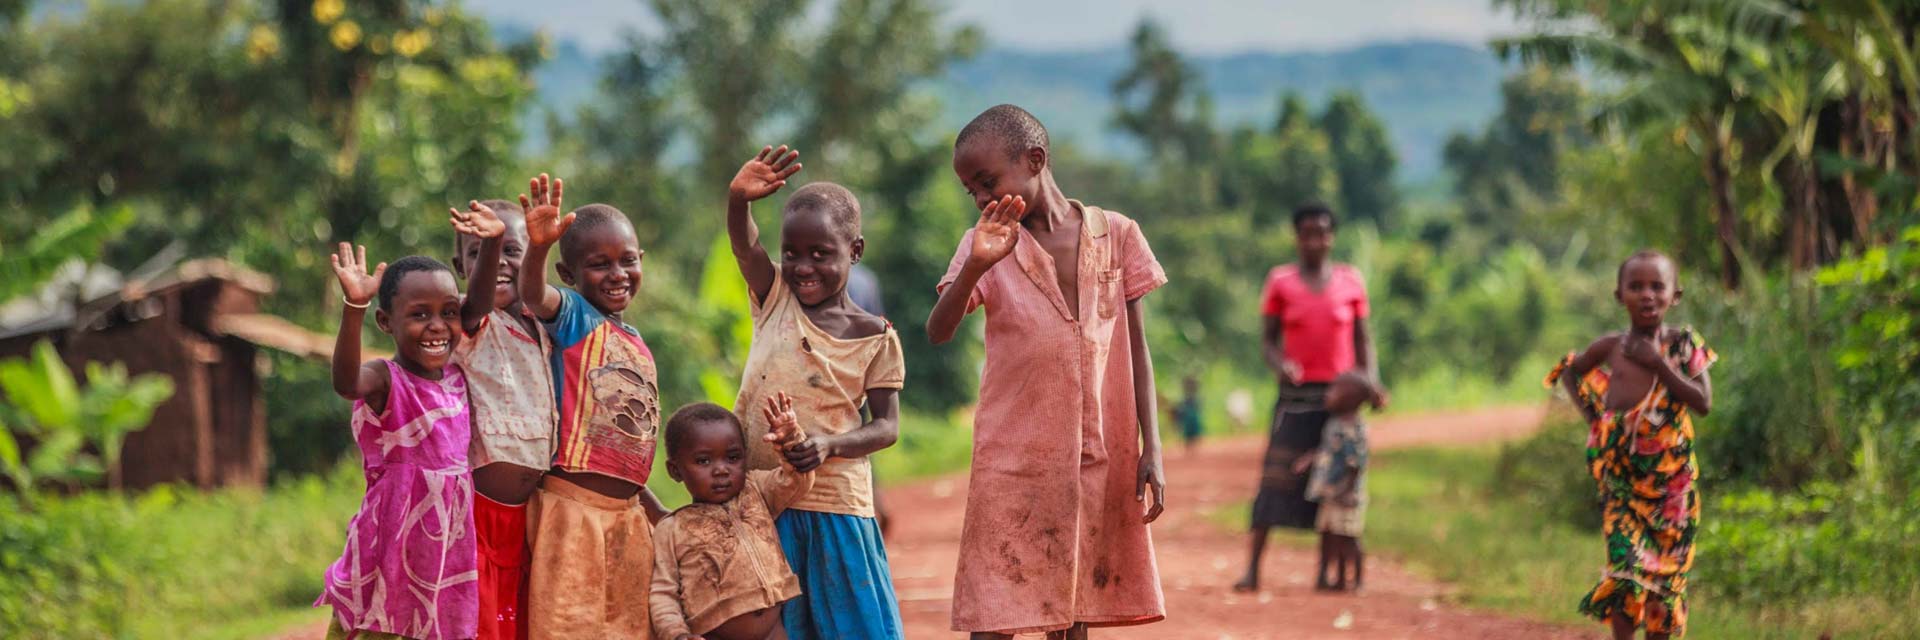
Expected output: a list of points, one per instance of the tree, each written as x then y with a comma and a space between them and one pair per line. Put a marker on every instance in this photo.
1516, 160
1162, 101
1363, 159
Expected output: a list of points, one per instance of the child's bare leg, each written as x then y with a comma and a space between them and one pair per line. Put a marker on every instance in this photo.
1340, 562
1328, 558
1076, 632
1359, 561
1252, 580
1623, 627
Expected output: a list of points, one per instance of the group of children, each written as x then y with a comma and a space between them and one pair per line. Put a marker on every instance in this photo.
508, 442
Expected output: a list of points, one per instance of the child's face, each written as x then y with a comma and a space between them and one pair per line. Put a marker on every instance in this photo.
1314, 238
605, 268
425, 319
815, 257
513, 248
1647, 290
711, 462
988, 173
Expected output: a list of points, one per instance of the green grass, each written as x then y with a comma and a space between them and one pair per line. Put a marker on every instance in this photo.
1438, 512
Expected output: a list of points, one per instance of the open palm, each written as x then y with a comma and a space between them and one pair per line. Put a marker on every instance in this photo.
998, 229
765, 173
355, 283
544, 222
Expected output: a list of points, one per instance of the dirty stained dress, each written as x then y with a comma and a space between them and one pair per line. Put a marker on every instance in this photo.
1053, 534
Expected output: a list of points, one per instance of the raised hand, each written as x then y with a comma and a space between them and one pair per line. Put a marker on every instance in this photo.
355, 283
478, 220
783, 427
544, 222
764, 174
998, 230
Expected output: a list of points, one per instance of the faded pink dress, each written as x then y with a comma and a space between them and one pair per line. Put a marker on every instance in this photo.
1053, 535
409, 565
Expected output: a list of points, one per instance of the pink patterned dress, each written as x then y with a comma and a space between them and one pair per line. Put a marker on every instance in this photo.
409, 566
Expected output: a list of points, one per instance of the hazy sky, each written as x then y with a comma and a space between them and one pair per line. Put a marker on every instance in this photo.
1197, 26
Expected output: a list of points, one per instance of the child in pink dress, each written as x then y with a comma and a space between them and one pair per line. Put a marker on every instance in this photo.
408, 570
1065, 449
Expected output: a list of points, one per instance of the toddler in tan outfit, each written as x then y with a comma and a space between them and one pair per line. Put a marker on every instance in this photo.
719, 573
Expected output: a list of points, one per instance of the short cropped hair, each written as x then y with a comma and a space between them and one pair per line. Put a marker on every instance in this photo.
589, 220
835, 202
1646, 254
398, 269
1311, 210
680, 425
1013, 127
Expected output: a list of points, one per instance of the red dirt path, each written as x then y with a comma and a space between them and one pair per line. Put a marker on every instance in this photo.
1199, 559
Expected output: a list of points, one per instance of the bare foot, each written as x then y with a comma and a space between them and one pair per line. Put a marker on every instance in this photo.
1248, 584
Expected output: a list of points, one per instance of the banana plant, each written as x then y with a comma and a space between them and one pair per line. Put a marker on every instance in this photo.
78, 433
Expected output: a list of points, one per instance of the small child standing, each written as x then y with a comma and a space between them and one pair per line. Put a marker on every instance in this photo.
1065, 447
718, 572
408, 568
1339, 481
1640, 449
1186, 414
505, 360
592, 519
810, 339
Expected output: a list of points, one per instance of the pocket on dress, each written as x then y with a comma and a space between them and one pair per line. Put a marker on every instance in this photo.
1109, 293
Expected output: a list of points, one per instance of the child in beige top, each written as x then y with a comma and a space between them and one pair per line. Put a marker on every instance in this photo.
718, 568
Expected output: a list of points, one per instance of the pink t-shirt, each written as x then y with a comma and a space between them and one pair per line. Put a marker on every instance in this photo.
1316, 327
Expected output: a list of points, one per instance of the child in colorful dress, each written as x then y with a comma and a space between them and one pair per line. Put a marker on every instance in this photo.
1640, 449
1339, 481
592, 518
811, 340
1065, 445
718, 570
408, 568
505, 359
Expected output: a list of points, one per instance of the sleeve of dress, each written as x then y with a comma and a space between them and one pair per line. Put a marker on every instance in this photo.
780, 486
663, 598
1699, 357
979, 296
1140, 272
758, 308
1361, 307
888, 369
575, 319
1272, 304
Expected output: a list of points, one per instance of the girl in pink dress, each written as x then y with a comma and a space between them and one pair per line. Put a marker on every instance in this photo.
409, 568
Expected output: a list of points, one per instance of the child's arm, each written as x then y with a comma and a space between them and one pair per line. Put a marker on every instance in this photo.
1696, 393
656, 510
1151, 472
352, 379
480, 222
544, 227
663, 595
1595, 354
993, 239
879, 432
758, 178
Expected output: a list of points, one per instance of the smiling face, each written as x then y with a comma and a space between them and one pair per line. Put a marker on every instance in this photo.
1646, 289
988, 172
513, 249
711, 460
1313, 237
815, 256
605, 266
424, 320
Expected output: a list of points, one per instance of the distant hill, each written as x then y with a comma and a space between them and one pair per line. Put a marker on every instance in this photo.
1423, 90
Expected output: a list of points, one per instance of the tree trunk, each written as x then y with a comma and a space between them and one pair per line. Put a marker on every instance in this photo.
1725, 218
1803, 211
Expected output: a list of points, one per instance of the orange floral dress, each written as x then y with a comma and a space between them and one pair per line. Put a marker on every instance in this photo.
1643, 462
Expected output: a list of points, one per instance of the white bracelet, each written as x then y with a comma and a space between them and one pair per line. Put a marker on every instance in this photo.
363, 305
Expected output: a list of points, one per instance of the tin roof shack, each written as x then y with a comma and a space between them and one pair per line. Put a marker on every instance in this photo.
199, 323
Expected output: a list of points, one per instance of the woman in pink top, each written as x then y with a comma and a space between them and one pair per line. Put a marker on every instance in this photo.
1316, 329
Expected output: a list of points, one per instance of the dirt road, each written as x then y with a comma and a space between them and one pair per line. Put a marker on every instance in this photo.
1199, 559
